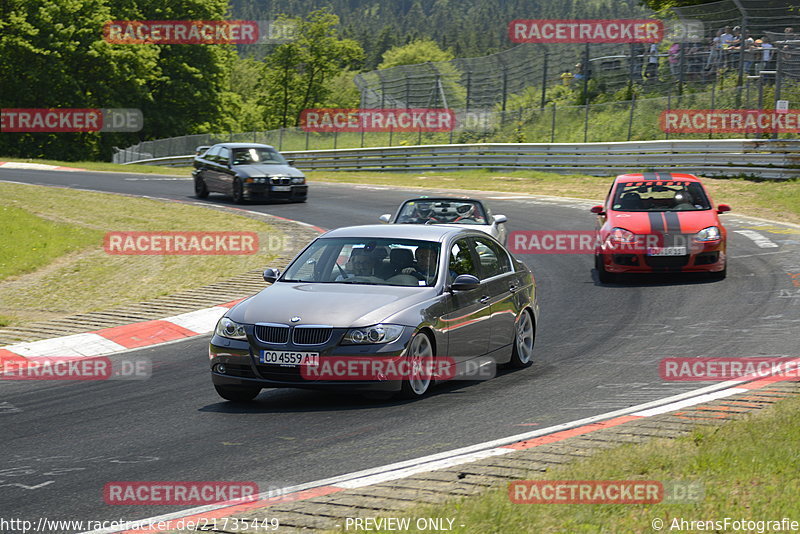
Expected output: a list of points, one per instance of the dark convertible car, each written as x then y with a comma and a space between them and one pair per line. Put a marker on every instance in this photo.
384, 295
247, 171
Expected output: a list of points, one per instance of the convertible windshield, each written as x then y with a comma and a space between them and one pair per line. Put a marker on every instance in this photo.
256, 155
441, 212
660, 196
369, 261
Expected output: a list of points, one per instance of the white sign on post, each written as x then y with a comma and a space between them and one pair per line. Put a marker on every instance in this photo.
782, 106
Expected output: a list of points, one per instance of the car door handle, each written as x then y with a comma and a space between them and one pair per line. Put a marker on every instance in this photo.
513, 288
484, 300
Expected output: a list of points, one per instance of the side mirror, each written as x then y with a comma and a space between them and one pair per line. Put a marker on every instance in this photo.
500, 219
598, 210
465, 282
270, 275
722, 208
290, 162
386, 217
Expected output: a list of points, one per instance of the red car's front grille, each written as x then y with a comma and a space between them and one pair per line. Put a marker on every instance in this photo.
666, 262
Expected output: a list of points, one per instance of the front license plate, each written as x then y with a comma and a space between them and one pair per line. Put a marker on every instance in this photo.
281, 187
284, 357
667, 251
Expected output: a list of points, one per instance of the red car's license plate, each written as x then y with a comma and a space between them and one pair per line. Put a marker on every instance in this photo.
666, 251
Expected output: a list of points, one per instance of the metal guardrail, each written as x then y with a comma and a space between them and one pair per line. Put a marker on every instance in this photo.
763, 158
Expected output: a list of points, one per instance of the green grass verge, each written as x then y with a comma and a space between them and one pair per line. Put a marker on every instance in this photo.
747, 468
31, 242
768, 199
78, 276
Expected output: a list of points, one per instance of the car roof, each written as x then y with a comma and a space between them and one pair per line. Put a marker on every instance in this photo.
425, 232
244, 145
657, 176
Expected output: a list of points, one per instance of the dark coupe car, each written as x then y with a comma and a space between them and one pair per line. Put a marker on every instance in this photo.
247, 171
387, 294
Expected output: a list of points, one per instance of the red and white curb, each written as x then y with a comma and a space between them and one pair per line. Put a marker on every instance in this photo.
119, 338
36, 166
464, 455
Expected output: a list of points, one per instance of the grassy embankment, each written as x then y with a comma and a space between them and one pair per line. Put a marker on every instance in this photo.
52, 261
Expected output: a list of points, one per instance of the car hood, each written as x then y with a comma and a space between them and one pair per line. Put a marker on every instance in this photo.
337, 305
247, 171
658, 222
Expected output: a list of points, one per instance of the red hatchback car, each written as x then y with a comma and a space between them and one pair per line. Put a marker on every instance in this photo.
658, 222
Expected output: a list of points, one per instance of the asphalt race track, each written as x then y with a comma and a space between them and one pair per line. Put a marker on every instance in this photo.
598, 350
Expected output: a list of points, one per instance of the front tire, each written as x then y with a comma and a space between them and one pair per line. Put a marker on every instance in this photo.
719, 275
604, 276
200, 188
237, 393
420, 350
238, 191
524, 339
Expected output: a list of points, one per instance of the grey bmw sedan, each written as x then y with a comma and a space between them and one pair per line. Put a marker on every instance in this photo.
380, 308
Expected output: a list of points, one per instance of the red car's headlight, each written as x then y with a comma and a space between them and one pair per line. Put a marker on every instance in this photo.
705, 235
621, 236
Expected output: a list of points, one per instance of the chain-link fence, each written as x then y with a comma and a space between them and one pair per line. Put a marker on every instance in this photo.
731, 54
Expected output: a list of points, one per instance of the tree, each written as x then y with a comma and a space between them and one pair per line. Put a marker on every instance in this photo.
421, 51
297, 75
658, 5
447, 90
52, 55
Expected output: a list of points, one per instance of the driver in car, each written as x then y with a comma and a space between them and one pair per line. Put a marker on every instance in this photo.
359, 264
426, 264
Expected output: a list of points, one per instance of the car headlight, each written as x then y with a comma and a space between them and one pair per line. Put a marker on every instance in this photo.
708, 234
298, 180
621, 236
230, 329
379, 333
255, 180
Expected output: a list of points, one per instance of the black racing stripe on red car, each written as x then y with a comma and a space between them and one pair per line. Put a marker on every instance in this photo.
656, 223
673, 222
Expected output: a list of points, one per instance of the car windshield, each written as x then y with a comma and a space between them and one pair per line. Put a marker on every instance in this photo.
660, 196
256, 155
441, 212
367, 261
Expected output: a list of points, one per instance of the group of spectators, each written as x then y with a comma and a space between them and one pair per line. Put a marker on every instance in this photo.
704, 60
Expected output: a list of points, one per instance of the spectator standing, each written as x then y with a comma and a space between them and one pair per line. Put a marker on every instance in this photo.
767, 57
675, 59
749, 53
715, 52
726, 40
651, 72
